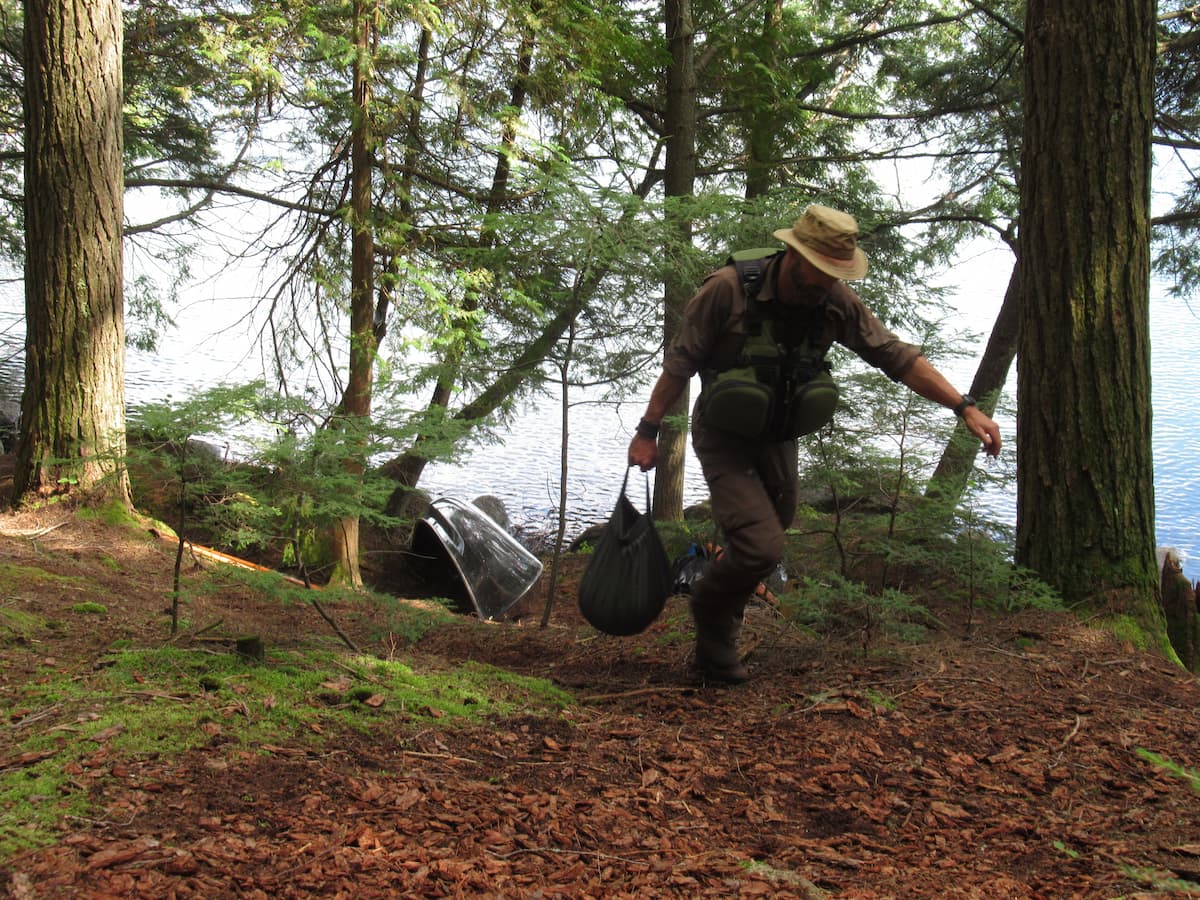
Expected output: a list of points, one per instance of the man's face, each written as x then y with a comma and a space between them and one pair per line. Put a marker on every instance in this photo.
808, 283
809, 274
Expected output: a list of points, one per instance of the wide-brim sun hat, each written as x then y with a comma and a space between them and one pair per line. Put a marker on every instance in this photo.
827, 238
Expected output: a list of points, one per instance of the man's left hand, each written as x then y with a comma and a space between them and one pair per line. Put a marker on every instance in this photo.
983, 427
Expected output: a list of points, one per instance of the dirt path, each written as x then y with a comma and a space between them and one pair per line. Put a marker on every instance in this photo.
1001, 765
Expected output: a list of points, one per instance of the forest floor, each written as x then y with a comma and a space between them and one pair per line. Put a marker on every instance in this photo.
998, 757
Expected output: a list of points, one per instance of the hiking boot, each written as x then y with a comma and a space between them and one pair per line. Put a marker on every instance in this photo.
716, 647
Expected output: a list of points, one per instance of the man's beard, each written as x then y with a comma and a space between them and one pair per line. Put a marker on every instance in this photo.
804, 294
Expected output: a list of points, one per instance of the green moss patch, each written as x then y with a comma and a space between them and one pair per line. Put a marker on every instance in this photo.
143, 703
13, 577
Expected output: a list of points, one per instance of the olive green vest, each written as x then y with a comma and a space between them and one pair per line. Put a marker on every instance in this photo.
776, 385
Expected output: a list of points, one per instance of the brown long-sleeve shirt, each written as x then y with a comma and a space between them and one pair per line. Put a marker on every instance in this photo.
717, 314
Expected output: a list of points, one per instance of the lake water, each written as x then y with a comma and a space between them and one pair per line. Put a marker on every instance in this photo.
523, 469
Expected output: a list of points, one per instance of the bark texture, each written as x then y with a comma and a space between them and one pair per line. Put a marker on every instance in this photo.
73, 408
1085, 488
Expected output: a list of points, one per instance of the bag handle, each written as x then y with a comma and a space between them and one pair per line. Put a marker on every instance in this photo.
625, 482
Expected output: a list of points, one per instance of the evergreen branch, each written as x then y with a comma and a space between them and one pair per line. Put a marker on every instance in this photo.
1011, 27
1179, 219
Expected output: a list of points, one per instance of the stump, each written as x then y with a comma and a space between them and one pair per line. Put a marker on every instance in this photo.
1179, 603
251, 647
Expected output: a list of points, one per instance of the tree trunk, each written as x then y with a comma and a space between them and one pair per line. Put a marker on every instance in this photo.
954, 468
679, 183
356, 401
73, 409
407, 468
1085, 479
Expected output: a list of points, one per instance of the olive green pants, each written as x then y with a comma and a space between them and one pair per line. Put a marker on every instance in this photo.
753, 490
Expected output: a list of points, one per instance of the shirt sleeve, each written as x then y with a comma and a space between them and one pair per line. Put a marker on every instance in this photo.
705, 317
860, 331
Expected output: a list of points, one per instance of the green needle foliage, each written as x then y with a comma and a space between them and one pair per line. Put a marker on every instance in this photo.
203, 494
288, 484
1190, 777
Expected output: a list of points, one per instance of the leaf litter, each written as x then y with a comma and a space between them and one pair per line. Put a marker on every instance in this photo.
1003, 763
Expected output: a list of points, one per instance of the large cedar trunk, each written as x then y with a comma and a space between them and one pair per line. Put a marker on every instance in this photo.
1085, 488
679, 182
73, 408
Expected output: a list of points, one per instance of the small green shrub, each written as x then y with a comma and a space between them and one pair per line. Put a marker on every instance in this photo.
834, 604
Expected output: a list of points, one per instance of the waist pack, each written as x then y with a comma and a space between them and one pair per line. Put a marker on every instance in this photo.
739, 402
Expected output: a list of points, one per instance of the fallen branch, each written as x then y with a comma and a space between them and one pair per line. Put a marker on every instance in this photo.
30, 532
650, 690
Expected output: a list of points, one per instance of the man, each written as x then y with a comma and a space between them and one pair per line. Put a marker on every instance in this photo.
752, 479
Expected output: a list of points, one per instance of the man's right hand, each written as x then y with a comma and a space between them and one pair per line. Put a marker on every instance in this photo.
643, 452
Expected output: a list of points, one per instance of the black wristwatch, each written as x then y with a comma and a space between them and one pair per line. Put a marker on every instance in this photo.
961, 406
647, 430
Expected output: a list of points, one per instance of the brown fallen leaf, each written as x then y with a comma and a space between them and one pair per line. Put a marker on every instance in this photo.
103, 859
27, 759
105, 734
949, 810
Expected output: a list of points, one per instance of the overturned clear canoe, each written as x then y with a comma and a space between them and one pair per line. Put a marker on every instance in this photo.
492, 571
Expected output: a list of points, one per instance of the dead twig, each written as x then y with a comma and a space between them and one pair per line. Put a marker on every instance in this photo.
1074, 731
445, 756
193, 634
358, 673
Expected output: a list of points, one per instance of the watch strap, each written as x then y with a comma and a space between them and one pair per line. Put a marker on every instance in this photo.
647, 430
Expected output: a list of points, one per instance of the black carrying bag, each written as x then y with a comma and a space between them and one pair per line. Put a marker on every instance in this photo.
628, 578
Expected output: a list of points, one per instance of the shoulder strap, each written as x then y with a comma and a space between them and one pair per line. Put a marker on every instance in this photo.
750, 266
